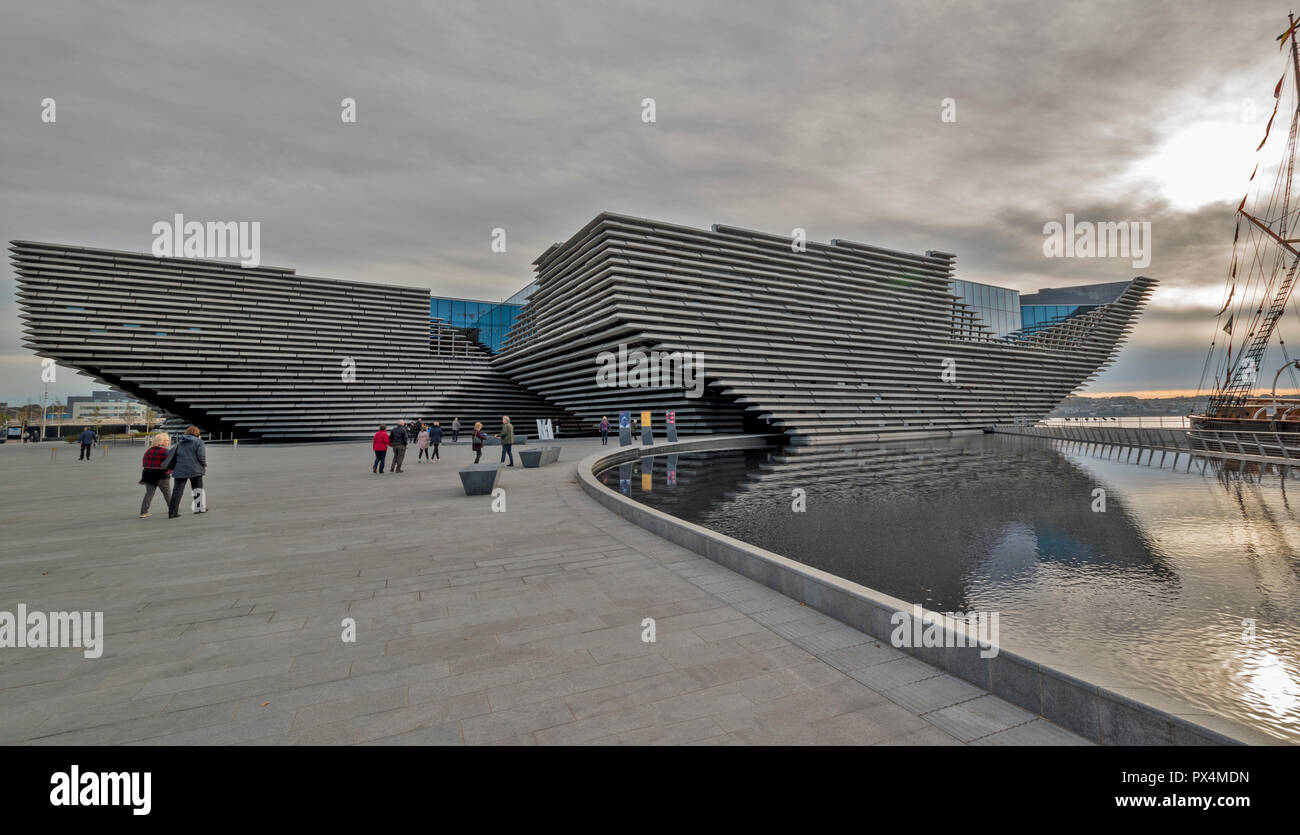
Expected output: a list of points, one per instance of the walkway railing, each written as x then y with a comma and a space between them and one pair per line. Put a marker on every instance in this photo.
1276, 448
1137, 421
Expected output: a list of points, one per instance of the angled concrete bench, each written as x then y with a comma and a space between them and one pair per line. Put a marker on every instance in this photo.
480, 479
539, 456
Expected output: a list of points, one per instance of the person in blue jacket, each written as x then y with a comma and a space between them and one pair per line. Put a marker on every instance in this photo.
87, 440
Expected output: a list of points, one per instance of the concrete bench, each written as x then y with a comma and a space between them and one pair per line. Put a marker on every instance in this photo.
480, 479
539, 456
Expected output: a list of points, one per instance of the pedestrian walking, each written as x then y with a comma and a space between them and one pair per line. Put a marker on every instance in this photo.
476, 441
435, 437
154, 475
455, 430
188, 461
380, 446
87, 440
422, 444
604, 431
397, 441
507, 437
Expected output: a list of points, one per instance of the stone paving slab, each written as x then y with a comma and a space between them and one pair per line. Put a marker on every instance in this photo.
472, 627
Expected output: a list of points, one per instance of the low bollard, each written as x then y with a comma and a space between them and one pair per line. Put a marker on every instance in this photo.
53, 452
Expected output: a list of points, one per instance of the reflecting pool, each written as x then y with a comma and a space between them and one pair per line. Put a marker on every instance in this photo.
1187, 583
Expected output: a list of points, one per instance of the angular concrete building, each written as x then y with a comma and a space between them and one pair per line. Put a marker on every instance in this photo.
258, 352
830, 343
836, 343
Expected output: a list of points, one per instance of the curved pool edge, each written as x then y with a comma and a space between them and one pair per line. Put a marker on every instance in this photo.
1111, 714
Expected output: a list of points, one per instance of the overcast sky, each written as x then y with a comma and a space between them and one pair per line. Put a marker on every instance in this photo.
527, 116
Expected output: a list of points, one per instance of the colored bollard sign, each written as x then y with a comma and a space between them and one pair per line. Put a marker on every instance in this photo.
670, 425
647, 434
624, 428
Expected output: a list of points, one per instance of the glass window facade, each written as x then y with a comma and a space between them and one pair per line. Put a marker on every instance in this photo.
1039, 316
522, 295
1005, 312
997, 307
493, 320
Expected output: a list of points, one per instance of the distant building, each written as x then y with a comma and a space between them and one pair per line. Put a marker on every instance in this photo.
105, 405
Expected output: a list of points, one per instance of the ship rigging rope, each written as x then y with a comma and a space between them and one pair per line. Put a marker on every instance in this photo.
1261, 284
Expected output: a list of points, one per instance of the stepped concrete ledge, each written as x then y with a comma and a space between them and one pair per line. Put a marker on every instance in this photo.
471, 627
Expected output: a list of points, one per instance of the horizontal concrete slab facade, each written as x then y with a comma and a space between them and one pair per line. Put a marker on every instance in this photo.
1110, 714
829, 342
731, 330
259, 352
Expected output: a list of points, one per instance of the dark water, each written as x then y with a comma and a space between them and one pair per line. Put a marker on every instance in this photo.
1152, 592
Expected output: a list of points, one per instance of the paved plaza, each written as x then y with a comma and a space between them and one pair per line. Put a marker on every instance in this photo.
472, 627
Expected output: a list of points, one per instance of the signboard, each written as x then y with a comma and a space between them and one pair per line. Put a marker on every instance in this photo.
671, 425
545, 430
647, 434
624, 428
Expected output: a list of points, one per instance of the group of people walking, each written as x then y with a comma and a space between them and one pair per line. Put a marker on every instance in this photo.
168, 468
428, 438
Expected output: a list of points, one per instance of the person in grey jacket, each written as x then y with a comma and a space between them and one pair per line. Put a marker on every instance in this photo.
507, 437
188, 461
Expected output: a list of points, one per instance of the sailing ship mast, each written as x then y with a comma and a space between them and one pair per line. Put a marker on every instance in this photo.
1240, 377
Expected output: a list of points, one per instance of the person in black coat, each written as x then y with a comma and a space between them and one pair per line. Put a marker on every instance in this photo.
397, 441
435, 437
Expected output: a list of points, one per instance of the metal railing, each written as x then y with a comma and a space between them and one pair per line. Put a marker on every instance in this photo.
1134, 422
1279, 448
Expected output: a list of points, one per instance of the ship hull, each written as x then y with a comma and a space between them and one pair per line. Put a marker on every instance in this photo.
1259, 426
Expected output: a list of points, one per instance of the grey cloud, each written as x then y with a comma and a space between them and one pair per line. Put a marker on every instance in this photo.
823, 115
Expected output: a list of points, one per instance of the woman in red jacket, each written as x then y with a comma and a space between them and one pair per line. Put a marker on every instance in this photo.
154, 474
380, 447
